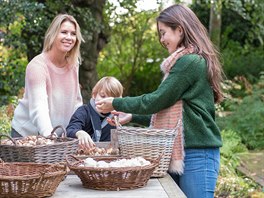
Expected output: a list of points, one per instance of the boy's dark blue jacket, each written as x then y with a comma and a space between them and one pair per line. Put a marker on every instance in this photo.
86, 118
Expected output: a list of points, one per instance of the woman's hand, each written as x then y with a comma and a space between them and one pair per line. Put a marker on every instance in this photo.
85, 140
105, 105
123, 118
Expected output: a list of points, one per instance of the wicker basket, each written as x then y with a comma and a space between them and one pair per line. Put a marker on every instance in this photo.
111, 178
30, 180
50, 153
149, 143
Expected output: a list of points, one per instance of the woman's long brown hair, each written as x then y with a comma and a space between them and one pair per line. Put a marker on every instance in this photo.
195, 34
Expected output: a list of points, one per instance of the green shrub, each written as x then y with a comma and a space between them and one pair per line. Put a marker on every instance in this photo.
232, 144
247, 118
231, 183
7, 112
234, 186
12, 73
238, 61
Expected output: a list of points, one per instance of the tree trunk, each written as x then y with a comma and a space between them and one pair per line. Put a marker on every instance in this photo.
215, 22
91, 48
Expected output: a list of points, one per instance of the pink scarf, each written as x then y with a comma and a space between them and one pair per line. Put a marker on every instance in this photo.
170, 117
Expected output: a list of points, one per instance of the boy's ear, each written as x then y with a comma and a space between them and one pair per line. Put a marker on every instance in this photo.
93, 96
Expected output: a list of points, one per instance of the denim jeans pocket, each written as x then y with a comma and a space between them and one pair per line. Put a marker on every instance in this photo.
217, 160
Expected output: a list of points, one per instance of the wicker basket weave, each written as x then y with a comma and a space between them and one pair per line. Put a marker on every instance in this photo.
148, 143
30, 180
111, 178
50, 153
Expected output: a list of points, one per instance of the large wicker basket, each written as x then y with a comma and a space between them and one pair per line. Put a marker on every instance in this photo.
120, 178
50, 153
30, 180
149, 143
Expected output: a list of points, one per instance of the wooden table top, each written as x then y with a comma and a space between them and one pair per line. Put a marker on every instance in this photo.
156, 188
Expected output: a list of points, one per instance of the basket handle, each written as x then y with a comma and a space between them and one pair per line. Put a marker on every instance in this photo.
177, 127
10, 138
70, 158
117, 123
54, 136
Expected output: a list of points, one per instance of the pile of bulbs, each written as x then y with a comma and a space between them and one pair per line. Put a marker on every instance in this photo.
96, 151
137, 161
29, 141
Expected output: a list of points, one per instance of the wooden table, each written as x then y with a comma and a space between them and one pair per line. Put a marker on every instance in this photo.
156, 188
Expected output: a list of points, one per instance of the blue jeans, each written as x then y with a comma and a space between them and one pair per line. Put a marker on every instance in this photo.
200, 173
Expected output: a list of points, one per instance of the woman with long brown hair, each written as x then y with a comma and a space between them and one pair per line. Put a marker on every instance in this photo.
188, 92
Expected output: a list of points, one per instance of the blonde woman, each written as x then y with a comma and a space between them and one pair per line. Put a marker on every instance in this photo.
189, 89
52, 91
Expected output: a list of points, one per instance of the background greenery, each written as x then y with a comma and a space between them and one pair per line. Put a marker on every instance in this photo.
125, 45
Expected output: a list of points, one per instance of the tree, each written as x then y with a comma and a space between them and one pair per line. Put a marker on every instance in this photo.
241, 21
89, 14
215, 22
242, 35
34, 15
133, 54
96, 36
13, 46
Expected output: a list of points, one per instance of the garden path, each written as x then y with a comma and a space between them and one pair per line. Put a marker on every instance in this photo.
252, 164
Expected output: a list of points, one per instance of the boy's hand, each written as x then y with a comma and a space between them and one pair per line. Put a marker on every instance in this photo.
85, 140
123, 118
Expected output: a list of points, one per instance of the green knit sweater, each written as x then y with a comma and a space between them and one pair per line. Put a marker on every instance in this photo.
187, 81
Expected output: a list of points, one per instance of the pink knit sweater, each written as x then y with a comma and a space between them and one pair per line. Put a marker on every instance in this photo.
51, 96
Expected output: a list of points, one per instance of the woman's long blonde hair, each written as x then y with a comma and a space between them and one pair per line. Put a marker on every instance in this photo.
73, 56
195, 34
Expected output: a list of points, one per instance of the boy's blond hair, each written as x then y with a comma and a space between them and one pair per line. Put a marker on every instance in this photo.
110, 85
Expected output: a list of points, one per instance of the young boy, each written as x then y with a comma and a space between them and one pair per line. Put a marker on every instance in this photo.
87, 124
